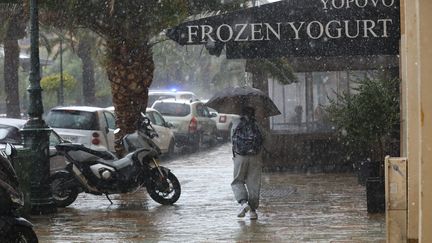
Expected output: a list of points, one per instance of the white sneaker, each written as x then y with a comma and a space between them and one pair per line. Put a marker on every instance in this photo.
243, 210
253, 215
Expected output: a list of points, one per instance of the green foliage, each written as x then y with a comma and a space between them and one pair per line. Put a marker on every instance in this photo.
51, 83
278, 68
131, 21
192, 68
368, 120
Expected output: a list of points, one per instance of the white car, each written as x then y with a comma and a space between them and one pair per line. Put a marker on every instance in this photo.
91, 126
191, 120
224, 123
166, 94
10, 132
165, 140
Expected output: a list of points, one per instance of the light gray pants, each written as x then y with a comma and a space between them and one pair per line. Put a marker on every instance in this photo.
247, 179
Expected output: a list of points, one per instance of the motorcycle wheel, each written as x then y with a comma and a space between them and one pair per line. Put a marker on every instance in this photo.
164, 190
63, 197
21, 234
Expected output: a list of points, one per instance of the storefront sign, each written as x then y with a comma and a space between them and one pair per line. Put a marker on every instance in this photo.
300, 28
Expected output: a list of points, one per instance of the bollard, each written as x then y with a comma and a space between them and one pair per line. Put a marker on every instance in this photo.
22, 164
37, 141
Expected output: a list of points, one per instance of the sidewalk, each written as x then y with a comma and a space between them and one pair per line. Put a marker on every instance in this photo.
294, 208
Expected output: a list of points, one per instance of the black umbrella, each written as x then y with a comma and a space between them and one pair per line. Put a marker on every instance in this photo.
231, 100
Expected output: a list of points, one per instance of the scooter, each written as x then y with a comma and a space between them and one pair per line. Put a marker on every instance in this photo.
102, 173
13, 228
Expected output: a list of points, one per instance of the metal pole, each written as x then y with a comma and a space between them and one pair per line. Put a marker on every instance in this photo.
61, 91
36, 132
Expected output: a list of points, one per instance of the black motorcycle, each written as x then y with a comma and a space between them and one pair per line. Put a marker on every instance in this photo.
102, 173
13, 228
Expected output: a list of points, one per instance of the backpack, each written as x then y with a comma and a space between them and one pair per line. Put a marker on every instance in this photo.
247, 138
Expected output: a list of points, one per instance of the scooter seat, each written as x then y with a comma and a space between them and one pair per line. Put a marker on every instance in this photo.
121, 163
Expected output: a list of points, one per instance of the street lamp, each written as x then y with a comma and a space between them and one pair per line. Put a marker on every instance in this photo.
36, 132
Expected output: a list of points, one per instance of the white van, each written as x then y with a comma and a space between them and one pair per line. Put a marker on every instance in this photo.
165, 94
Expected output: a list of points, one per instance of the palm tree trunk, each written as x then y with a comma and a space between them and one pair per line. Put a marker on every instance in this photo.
14, 32
130, 70
11, 65
88, 86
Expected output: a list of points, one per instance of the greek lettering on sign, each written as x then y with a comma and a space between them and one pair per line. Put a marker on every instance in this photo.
341, 4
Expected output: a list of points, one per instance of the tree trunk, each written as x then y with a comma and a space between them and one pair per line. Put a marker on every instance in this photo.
130, 71
14, 32
259, 81
11, 65
88, 86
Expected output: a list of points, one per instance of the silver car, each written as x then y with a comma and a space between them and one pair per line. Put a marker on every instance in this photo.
10, 132
192, 122
165, 140
224, 123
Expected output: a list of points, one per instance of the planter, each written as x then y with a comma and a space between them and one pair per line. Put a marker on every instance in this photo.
367, 169
375, 195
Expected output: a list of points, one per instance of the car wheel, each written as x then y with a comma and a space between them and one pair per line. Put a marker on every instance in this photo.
197, 143
227, 135
213, 138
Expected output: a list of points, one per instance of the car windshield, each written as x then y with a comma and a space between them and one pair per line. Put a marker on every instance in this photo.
153, 97
72, 119
172, 109
186, 96
9, 134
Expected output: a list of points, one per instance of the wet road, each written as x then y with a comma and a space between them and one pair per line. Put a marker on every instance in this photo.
294, 208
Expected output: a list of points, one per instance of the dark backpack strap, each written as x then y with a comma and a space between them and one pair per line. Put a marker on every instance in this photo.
241, 124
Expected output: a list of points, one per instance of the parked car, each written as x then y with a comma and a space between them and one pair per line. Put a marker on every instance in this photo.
10, 132
166, 139
91, 126
166, 94
224, 123
191, 120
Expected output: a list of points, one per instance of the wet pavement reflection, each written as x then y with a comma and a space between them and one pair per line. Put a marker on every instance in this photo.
294, 208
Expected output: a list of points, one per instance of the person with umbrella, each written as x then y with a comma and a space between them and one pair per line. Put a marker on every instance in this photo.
248, 142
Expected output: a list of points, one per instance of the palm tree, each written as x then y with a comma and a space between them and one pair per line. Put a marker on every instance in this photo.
128, 28
13, 23
84, 44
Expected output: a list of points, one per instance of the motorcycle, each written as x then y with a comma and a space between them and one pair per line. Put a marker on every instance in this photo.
13, 228
101, 172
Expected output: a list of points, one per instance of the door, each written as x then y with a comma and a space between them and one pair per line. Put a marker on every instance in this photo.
164, 132
57, 161
207, 124
109, 129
